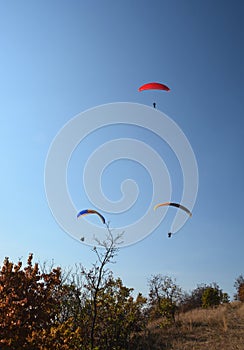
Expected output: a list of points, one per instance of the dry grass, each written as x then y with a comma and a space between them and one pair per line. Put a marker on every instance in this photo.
212, 329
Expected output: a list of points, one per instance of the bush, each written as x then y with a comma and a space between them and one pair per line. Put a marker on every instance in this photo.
210, 297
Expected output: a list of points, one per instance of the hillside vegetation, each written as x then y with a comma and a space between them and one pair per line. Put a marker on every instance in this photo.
44, 308
221, 328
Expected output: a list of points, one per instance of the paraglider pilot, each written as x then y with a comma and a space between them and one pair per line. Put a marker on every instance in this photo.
169, 234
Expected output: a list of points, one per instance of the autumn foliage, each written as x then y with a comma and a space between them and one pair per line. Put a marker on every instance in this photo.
239, 285
28, 302
89, 309
40, 311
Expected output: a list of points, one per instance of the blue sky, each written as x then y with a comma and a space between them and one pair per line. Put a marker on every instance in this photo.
60, 58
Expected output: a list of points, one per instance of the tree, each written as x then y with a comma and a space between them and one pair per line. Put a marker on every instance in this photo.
95, 279
119, 315
213, 296
203, 296
210, 297
27, 302
164, 297
239, 286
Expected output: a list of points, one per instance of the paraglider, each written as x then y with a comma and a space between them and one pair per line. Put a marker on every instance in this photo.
154, 86
173, 205
177, 205
91, 211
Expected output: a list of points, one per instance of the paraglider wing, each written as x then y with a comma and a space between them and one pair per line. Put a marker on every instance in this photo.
174, 205
91, 211
154, 86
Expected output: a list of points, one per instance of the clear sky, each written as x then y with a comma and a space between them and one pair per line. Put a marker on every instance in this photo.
59, 58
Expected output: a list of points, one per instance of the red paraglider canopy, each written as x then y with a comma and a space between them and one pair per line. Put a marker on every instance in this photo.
154, 86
